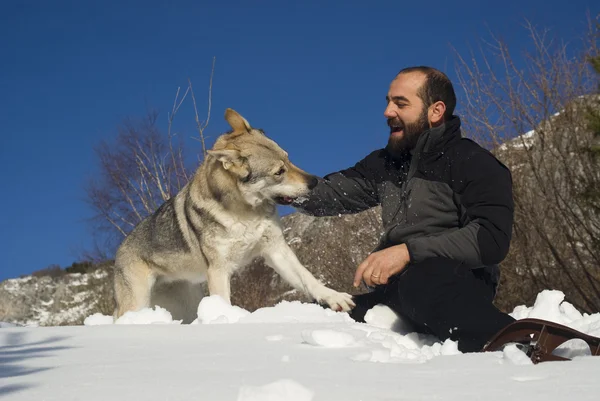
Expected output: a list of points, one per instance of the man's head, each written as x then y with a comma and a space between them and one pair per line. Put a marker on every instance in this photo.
418, 98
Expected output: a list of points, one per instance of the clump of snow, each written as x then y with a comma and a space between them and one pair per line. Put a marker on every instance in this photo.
392, 340
328, 338
512, 354
285, 389
384, 317
411, 348
157, 315
547, 306
215, 310
6, 325
97, 319
550, 305
300, 200
449, 347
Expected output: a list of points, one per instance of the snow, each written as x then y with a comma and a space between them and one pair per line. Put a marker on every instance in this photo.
291, 351
525, 140
284, 389
328, 338
515, 356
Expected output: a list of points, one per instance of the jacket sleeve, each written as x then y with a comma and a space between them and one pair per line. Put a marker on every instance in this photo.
486, 195
348, 191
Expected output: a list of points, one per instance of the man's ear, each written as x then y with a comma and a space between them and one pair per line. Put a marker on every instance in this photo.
229, 157
436, 113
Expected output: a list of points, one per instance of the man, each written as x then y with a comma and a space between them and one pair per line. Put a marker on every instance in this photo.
447, 211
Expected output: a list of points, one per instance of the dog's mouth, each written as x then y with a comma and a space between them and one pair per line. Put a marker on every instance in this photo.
284, 200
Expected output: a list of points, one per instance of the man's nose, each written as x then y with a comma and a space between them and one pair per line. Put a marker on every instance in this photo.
390, 111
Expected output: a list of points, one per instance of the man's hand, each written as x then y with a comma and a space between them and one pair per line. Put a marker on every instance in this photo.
381, 265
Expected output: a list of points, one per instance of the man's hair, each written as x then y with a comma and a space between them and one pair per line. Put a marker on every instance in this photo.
437, 87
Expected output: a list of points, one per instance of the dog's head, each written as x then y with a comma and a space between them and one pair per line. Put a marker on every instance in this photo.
261, 168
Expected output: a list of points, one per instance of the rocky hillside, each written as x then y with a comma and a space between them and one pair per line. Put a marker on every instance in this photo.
330, 247
556, 233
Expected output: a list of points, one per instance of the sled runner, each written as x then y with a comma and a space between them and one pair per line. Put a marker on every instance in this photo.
539, 338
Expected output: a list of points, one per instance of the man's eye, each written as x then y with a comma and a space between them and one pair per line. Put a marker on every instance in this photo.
280, 172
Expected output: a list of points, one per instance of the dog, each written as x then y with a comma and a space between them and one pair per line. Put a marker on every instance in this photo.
221, 220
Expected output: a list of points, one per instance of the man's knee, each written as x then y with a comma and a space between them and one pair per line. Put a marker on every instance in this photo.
424, 289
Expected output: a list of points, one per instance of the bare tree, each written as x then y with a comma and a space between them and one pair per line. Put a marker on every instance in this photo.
139, 171
532, 113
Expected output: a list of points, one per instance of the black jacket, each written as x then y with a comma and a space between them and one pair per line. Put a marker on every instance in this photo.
449, 197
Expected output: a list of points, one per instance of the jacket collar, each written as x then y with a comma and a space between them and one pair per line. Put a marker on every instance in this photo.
438, 138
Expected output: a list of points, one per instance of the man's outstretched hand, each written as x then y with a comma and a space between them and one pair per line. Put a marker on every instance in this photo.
381, 265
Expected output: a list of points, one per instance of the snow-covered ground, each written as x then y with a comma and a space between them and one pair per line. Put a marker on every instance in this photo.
291, 352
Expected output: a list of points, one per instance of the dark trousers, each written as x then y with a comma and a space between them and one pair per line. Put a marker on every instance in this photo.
441, 297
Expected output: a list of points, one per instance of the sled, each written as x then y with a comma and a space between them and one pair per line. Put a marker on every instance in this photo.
539, 338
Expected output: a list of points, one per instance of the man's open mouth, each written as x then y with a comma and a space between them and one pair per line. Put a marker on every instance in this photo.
284, 200
395, 127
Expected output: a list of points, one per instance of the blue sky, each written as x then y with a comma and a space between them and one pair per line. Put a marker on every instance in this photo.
313, 74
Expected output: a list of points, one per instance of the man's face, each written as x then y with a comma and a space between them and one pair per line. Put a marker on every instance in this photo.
405, 112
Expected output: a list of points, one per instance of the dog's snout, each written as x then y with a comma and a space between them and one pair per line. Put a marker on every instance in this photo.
312, 181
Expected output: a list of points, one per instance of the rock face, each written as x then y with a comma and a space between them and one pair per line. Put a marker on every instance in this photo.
56, 301
330, 247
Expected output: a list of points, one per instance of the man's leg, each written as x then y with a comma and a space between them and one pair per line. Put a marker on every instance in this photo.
364, 302
449, 300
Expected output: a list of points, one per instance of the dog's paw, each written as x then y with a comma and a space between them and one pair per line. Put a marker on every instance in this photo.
338, 301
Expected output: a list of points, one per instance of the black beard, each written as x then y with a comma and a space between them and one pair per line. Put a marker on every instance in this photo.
412, 132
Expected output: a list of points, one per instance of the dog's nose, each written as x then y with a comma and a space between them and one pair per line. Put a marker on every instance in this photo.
312, 182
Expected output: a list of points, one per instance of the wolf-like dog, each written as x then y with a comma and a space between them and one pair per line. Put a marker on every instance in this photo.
219, 222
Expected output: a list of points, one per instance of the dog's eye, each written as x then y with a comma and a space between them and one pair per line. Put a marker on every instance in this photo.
281, 171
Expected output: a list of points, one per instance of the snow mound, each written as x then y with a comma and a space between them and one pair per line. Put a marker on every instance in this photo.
295, 312
215, 310
515, 356
157, 315
282, 390
328, 338
388, 347
550, 305
97, 319
385, 318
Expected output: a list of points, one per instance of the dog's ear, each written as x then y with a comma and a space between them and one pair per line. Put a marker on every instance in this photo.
237, 122
232, 161
229, 157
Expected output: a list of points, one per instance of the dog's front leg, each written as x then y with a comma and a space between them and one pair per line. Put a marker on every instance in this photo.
219, 281
283, 260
